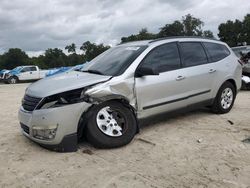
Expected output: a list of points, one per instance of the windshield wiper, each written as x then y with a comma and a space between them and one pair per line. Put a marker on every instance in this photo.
93, 71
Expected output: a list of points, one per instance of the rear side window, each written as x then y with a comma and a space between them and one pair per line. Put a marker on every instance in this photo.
26, 69
193, 54
165, 58
216, 52
32, 68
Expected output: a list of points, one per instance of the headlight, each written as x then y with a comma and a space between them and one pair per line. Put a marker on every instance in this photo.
62, 99
44, 133
7, 75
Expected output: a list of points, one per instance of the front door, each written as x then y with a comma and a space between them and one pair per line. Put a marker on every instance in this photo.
166, 91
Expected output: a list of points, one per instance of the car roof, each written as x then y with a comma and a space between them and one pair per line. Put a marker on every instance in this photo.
170, 39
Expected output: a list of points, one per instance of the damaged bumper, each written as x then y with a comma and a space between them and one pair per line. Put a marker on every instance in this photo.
54, 128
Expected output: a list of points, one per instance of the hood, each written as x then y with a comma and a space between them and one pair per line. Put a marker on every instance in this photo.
13, 72
63, 82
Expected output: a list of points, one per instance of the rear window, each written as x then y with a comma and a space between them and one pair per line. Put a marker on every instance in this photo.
216, 52
193, 54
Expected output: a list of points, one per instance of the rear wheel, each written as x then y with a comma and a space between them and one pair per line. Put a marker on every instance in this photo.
110, 125
224, 100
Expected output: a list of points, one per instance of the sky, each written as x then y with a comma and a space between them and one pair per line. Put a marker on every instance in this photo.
36, 25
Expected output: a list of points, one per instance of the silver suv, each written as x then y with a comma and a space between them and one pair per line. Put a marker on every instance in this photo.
105, 100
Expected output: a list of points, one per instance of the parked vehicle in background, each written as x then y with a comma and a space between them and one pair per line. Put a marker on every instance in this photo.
126, 83
64, 69
24, 73
3, 73
57, 71
243, 52
240, 52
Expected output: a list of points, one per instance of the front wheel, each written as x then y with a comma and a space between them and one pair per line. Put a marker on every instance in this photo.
224, 100
110, 125
12, 80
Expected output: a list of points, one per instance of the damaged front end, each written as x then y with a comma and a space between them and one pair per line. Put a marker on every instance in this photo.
113, 90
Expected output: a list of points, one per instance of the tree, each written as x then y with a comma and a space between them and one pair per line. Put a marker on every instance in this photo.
54, 58
13, 58
232, 32
142, 35
188, 26
174, 29
71, 48
208, 34
91, 50
192, 26
246, 29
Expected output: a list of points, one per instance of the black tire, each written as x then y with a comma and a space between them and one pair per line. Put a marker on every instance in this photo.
243, 86
12, 80
217, 106
98, 138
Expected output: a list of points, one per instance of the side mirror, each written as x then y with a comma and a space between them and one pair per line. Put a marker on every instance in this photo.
145, 71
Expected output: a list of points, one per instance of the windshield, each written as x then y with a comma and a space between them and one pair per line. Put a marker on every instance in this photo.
17, 69
114, 61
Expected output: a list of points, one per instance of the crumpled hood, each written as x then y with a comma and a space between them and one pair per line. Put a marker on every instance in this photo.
63, 82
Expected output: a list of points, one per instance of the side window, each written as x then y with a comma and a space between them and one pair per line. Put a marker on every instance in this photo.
32, 68
26, 69
216, 52
193, 54
165, 58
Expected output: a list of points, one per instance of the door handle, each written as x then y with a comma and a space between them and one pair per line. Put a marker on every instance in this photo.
212, 70
179, 78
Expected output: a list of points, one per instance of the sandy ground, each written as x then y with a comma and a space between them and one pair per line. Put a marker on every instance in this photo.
195, 149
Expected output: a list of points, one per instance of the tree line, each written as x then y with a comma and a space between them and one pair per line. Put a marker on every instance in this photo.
232, 32
52, 57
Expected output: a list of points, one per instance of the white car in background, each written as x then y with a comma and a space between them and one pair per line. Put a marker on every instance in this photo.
24, 73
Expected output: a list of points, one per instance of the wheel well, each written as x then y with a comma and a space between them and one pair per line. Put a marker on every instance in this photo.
233, 82
14, 76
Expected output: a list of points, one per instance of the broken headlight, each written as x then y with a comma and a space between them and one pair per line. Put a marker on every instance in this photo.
44, 133
62, 99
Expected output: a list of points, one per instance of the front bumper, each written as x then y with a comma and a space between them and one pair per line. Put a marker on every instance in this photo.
66, 119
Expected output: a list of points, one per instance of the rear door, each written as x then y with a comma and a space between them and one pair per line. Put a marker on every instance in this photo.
199, 74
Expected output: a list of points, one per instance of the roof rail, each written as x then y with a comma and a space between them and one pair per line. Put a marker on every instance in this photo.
173, 37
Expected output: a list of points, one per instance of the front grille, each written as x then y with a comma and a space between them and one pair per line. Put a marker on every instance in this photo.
29, 103
25, 128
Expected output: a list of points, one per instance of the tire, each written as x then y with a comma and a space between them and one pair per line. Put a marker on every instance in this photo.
12, 80
115, 132
243, 86
224, 102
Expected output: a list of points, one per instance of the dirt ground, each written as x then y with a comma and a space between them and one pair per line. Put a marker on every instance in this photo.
195, 149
